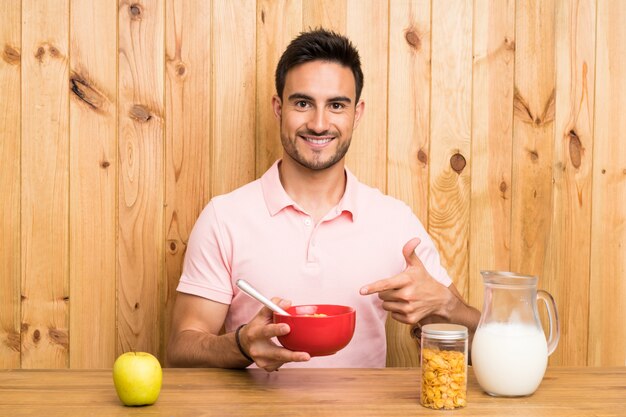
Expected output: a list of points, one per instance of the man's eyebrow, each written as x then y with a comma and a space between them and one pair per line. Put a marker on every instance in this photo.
301, 96
296, 96
343, 99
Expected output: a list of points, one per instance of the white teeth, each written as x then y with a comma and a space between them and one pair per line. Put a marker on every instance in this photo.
318, 141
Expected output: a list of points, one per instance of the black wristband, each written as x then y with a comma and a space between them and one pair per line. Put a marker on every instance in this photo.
243, 352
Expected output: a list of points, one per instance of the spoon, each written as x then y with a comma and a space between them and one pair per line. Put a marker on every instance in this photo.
252, 292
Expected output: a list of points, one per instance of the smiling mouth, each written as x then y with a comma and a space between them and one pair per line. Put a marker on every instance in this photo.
317, 140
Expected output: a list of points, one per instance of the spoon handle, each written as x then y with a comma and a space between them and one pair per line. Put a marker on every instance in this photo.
252, 292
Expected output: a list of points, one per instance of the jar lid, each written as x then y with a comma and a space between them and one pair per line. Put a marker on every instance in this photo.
444, 331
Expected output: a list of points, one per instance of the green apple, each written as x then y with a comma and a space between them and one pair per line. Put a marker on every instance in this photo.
137, 377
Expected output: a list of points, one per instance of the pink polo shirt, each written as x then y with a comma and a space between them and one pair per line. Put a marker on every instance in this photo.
260, 234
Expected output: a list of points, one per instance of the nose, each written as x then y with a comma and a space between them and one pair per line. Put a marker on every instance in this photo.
319, 121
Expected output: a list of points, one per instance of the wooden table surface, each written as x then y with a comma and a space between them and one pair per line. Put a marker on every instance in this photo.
565, 391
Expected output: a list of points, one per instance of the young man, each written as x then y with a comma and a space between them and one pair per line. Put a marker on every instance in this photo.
307, 230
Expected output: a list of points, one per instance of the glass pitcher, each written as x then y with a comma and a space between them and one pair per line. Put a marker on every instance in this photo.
509, 350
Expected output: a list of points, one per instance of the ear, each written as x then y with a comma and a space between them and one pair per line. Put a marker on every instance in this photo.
277, 106
358, 112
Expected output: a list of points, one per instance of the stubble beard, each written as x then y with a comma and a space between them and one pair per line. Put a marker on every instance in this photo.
315, 164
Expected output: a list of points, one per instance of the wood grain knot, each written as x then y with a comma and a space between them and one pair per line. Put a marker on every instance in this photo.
136, 306
140, 113
135, 10
11, 55
575, 149
503, 187
534, 155
509, 44
105, 164
86, 92
458, 162
422, 157
416, 332
603, 171
53, 51
413, 39
523, 113
66, 298
40, 53
13, 341
24, 327
173, 246
181, 69
262, 16
59, 337
36, 336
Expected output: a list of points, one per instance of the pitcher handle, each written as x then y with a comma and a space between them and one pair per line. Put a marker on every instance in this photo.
555, 330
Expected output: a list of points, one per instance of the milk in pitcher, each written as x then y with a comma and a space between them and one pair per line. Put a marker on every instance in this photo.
509, 359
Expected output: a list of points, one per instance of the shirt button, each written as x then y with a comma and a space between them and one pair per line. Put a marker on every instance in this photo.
307, 222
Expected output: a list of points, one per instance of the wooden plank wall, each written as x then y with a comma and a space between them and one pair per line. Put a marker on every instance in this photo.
498, 122
608, 226
45, 184
93, 167
10, 169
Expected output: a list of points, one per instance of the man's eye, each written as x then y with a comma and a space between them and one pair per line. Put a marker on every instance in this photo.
302, 104
337, 106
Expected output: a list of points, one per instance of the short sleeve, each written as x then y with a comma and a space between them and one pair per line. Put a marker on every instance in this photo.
206, 268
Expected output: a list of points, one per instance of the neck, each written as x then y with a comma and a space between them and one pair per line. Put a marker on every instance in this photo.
315, 191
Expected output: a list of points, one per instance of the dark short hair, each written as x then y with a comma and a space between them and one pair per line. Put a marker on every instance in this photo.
319, 45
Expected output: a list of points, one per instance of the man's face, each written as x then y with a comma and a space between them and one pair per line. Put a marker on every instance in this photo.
317, 113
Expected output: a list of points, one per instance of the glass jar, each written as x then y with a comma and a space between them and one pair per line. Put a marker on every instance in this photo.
444, 366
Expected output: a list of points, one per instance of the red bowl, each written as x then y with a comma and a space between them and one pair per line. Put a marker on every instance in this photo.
317, 335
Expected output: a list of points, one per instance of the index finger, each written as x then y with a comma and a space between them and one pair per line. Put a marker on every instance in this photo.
380, 286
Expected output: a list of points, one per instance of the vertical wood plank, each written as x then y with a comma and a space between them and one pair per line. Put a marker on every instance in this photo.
492, 138
278, 22
408, 135
533, 127
45, 166
451, 95
408, 132
329, 14
367, 26
93, 183
233, 89
607, 299
188, 115
140, 199
566, 274
10, 69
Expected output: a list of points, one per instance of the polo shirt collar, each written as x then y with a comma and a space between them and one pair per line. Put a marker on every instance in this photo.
276, 198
